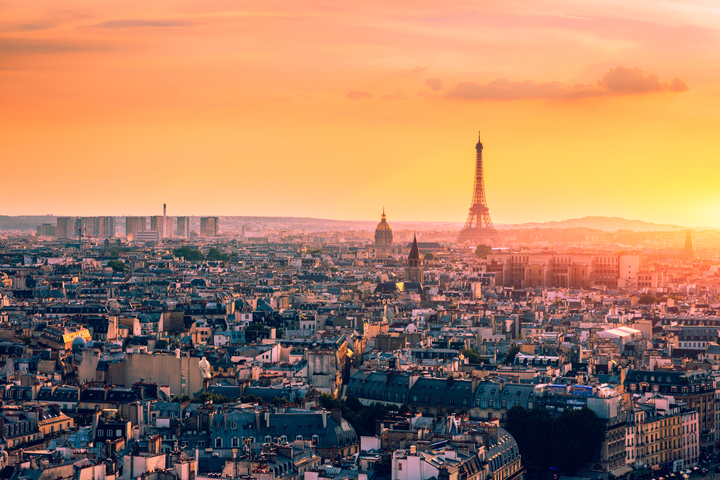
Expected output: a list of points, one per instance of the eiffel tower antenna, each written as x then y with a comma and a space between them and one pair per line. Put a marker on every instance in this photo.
478, 225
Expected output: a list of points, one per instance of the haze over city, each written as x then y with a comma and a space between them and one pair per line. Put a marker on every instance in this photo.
335, 110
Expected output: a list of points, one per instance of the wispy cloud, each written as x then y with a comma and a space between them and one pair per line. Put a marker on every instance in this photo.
10, 47
358, 95
618, 80
133, 23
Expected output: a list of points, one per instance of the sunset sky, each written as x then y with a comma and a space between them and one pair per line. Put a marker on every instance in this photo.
336, 109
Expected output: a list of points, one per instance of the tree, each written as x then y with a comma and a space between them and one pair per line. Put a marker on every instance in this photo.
483, 251
404, 409
361, 417
647, 300
429, 257
215, 398
189, 254
510, 356
578, 434
116, 265
216, 255
567, 441
472, 356
251, 399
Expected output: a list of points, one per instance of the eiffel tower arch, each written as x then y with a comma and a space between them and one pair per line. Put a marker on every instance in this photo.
478, 226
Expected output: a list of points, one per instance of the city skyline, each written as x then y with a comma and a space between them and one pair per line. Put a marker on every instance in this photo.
294, 109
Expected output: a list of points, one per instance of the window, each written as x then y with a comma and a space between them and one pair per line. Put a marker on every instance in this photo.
233, 425
427, 399
118, 433
218, 442
235, 442
439, 400
100, 433
201, 443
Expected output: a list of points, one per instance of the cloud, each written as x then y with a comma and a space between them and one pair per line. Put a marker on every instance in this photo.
131, 23
618, 80
635, 80
434, 83
358, 95
18, 46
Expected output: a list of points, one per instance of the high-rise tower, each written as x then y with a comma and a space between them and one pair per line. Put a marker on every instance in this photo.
478, 225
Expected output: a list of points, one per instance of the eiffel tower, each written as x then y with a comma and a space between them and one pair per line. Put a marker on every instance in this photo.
478, 226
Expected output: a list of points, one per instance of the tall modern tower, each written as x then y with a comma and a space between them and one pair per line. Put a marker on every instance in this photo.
478, 225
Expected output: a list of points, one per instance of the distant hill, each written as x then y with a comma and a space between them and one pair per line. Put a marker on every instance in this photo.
610, 224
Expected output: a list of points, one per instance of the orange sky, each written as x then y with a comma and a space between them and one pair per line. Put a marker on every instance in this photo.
322, 109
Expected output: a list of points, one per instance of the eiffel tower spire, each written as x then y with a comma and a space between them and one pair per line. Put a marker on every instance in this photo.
478, 225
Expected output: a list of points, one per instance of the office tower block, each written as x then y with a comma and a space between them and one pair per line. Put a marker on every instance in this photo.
133, 226
183, 227
104, 227
157, 224
65, 227
209, 226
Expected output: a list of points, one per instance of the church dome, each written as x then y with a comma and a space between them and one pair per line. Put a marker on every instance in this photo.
383, 232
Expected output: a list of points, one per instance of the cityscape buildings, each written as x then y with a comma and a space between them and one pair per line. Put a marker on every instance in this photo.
289, 331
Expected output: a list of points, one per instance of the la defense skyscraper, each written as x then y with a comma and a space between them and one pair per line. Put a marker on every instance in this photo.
478, 226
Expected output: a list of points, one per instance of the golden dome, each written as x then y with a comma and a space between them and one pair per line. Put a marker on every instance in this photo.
383, 232
383, 226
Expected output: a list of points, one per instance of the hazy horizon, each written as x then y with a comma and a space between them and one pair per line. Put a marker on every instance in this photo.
334, 111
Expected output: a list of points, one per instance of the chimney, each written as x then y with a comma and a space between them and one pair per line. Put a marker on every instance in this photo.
164, 219
324, 417
337, 415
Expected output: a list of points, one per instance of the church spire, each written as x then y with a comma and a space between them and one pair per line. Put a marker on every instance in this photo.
414, 250
688, 252
383, 215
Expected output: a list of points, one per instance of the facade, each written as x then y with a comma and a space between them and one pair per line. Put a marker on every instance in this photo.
209, 226
523, 270
690, 438
65, 227
183, 227
133, 226
148, 236
157, 224
696, 389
